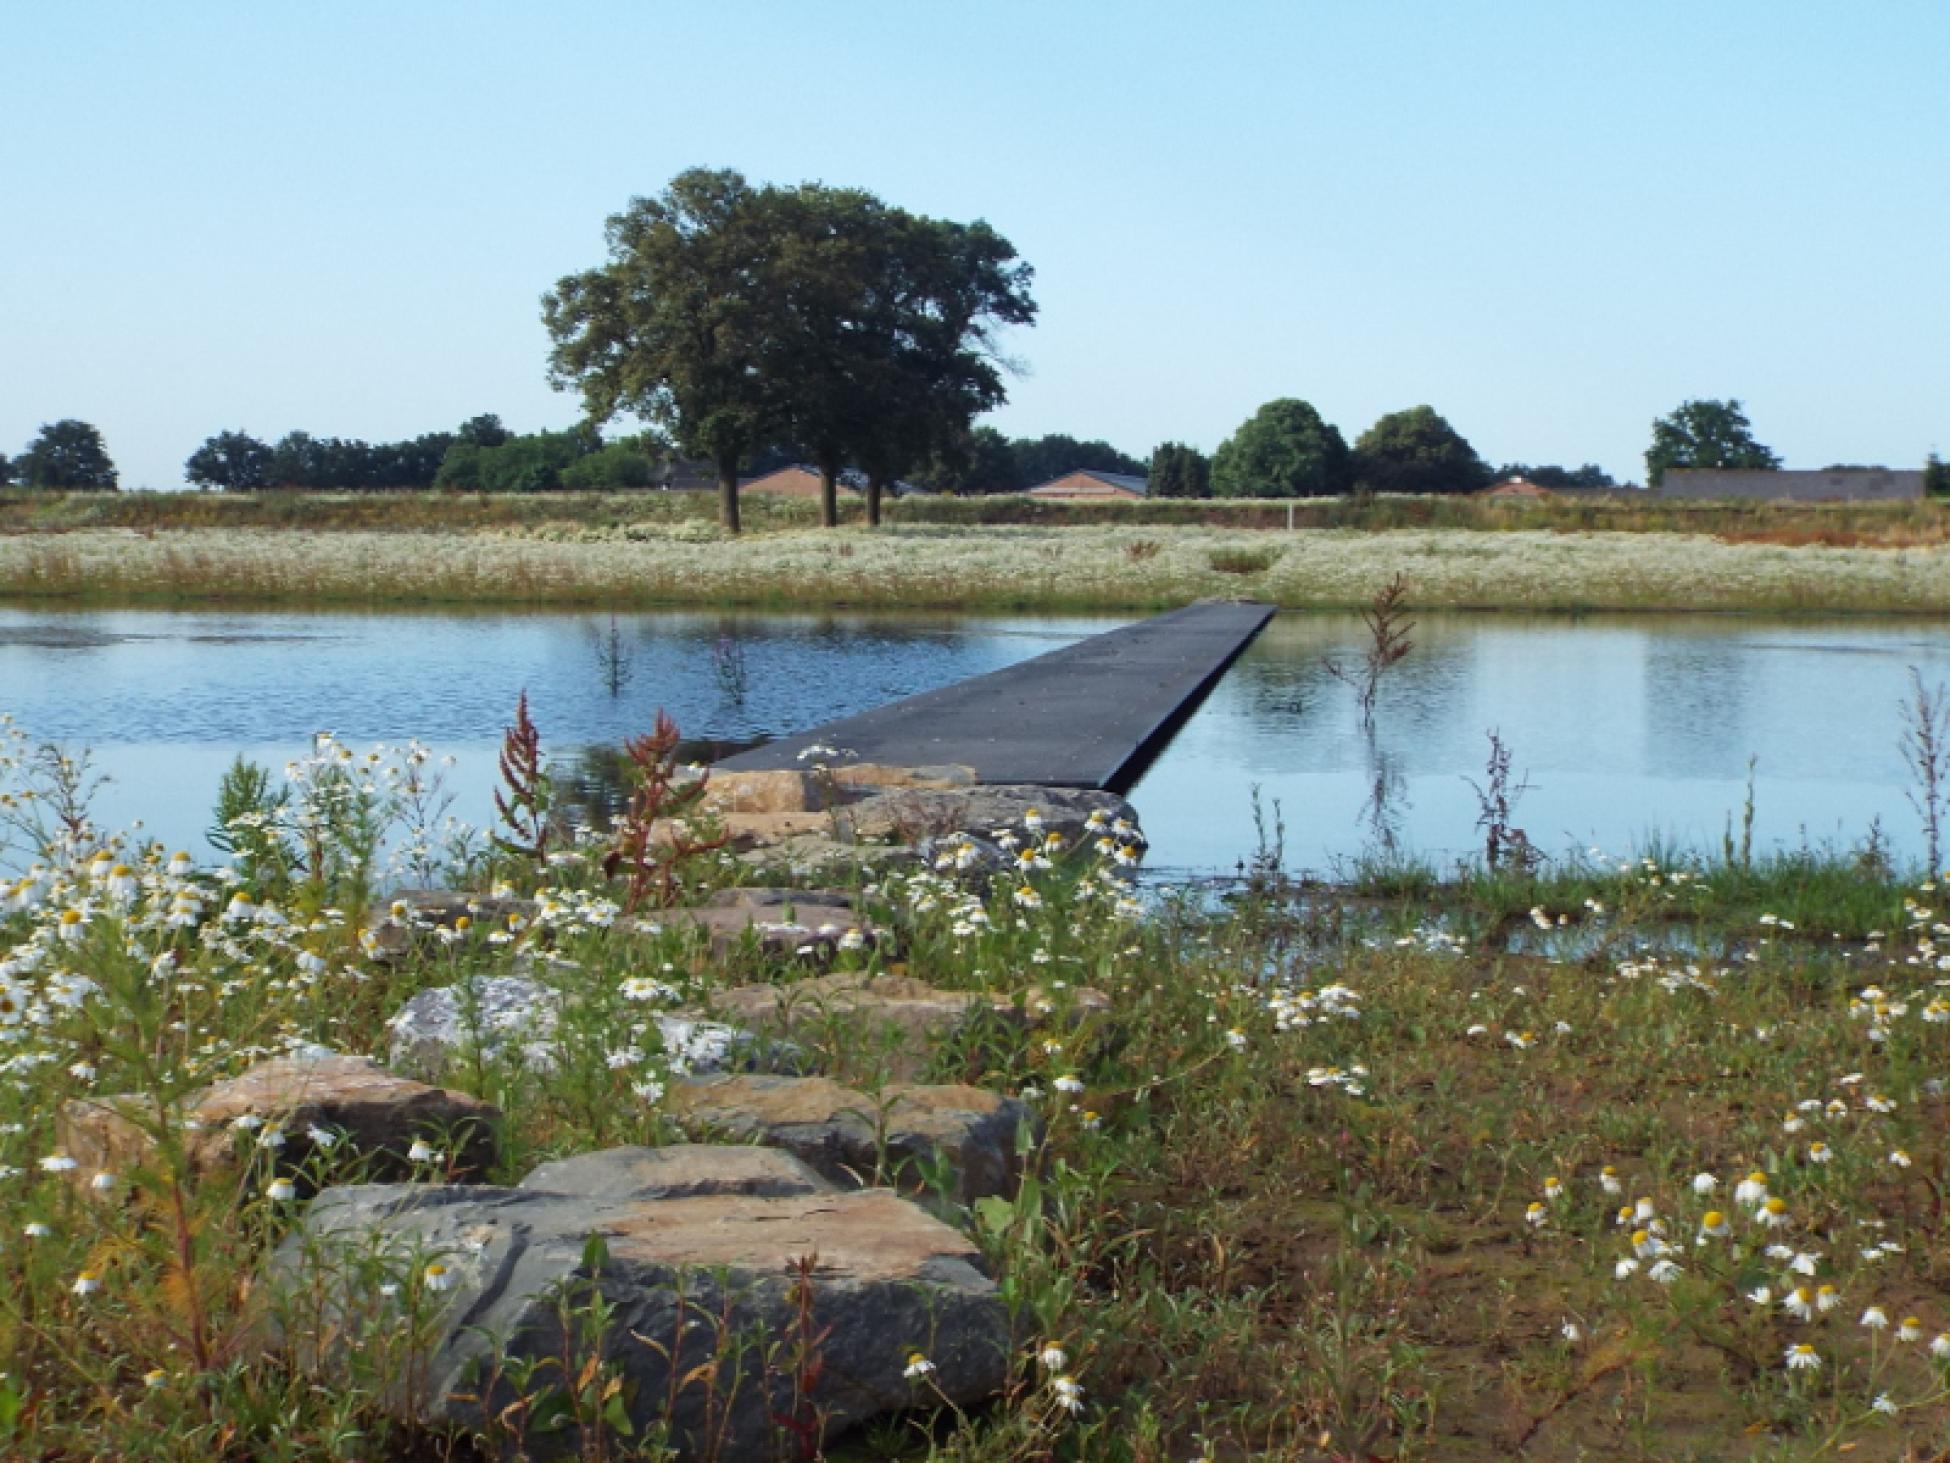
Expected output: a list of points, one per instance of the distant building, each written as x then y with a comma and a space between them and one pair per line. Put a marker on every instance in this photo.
797, 481
1087, 485
1834, 485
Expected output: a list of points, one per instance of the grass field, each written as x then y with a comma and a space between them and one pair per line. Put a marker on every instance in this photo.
1636, 1160
936, 566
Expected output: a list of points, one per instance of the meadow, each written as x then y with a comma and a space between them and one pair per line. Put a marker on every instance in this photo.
1611, 1157
645, 564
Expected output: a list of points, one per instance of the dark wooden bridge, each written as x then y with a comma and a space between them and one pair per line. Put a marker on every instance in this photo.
1093, 714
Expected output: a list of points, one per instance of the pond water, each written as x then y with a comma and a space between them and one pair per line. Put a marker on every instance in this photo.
1628, 729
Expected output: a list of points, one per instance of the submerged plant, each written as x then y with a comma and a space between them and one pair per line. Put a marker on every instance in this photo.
1386, 617
1926, 750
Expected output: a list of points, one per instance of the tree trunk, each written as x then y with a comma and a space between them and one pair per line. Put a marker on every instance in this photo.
728, 493
829, 493
873, 500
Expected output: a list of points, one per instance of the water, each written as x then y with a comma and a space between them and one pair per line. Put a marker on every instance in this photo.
1628, 728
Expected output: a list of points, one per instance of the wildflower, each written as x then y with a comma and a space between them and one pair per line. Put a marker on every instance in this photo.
1536, 1216
1236, 1039
1624, 1269
1820, 1153
1553, 1188
1608, 1180
1875, 1318
1910, 1330
1571, 1332
1774, 1213
1704, 1184
422, 1152
321, 1138
102, 1182
438, 1277
1940, 1347
1068, 1084
1523, 1041
1803, 1358
87, 1283
1665, 1271
1900, 1157
34, 1229
272, 1137
1752, 1190
1799, 1303
1805, 1262
1644, 1210
1713, 1226
1028, 898
1068, 1393
1053, 1357
58, 1163
1760, 1295
154, 1378
918, 1366
280, 1190
1883, 1404
1827, 1298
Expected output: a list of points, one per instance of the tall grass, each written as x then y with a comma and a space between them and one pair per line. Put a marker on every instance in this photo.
919, 566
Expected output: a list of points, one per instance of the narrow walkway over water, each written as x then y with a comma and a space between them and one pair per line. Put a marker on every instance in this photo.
1089, 715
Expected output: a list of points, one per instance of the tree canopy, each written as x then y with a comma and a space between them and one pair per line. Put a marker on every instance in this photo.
737, 316
67, 454
233, 461
1178, 471
1704, 434
1417, 451
1283, 450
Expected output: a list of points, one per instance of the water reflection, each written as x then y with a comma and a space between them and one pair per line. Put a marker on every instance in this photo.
1627, 728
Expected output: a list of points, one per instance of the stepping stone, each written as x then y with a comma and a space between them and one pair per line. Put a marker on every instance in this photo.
678, 1171
919, 1017
844, 1134
374, 1115
872, 1276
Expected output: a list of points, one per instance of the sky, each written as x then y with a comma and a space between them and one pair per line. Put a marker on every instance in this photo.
1551, 221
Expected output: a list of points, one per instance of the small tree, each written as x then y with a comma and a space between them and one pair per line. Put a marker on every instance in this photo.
1416, 451
1704, 434
1936, 477
1178, 471
675, 327
67, 454
6, 470
1284, 450
233, 461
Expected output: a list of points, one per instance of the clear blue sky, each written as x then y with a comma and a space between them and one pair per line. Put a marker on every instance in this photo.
1552, 221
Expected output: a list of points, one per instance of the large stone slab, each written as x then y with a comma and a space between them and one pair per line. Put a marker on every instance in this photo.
709, 1298
910, 1136
279, 1107
678, 1171
914, 815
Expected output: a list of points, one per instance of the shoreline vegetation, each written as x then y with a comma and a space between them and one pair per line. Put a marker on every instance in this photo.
1603, 1159
650, 550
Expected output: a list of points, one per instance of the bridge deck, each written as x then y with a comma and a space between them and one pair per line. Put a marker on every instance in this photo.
1090, 715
